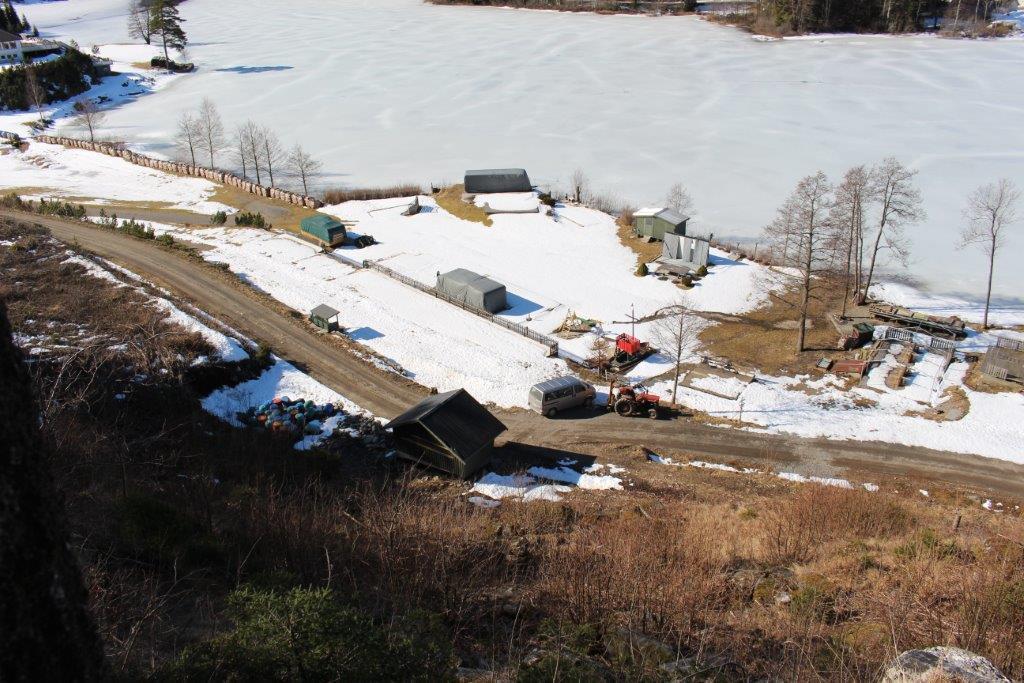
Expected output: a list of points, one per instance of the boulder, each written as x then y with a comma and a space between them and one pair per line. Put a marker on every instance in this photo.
942, 664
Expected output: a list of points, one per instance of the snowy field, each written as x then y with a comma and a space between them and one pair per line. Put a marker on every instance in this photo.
396, 90
63, 172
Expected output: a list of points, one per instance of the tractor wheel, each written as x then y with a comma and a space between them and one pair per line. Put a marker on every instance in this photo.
652, 413
624, 407
551, 412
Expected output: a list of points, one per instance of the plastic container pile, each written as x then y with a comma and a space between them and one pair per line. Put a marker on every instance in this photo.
288, 416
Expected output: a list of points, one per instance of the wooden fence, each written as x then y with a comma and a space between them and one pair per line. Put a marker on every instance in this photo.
223, 177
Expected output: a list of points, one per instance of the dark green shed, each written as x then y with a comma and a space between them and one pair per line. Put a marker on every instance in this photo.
450, 432
656, 222
328, 231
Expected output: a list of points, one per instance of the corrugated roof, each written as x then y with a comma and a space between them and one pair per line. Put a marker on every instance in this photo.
648, 211
323, 311
672, 216
497, 172
557, 383
456, 419
474, 281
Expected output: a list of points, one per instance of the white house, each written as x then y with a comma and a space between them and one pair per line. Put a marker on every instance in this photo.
10, 49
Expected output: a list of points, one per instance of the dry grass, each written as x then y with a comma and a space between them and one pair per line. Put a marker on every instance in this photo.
338, 196
645, 251
758, 341
450, 199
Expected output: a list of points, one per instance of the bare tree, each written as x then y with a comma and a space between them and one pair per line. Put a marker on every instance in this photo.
250, 147
139, 23
89, 117
676, 337
899, 204
804, 245
241, 150
188, 135
34, 92
847, 217
270, 150
303, 166
679, 199
990, 209
211, 130
578, 185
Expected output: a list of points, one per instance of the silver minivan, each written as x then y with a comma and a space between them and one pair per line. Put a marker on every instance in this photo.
561, 393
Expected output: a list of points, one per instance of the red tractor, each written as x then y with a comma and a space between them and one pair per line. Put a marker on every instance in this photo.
635, 400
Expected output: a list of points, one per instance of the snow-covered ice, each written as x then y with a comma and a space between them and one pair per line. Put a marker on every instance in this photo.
399, 90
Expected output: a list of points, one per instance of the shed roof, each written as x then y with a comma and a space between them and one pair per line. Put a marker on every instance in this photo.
323, 311
472, 280
322, 220
497, 172
456, 419
670, 215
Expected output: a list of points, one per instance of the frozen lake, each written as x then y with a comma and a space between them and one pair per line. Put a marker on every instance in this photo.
394, 90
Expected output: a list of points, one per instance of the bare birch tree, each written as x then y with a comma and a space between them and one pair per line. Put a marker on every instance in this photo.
679, 199
676, 337
139, 22
250, 136
88, 117
804, 246
303, 166
188, 134
211, 130
847, 217
270, 151
899, 205
990, 209
241, 150
578, 185
34, 92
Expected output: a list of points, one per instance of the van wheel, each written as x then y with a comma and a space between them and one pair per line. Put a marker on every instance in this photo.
552, 412
588, 403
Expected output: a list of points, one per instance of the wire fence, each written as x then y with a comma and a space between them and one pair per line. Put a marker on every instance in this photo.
518, 328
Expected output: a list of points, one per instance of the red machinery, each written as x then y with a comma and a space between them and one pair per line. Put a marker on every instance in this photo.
628, 349
635, 400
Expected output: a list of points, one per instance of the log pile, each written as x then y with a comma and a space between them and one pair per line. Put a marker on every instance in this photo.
184, 169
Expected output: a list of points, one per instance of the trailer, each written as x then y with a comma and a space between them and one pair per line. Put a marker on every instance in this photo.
948, 327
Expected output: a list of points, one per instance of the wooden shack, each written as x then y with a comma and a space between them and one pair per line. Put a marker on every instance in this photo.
450, 432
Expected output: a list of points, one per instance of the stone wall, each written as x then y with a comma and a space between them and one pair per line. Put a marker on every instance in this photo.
184, 169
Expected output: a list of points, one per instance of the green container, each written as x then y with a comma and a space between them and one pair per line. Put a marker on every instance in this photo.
327, 230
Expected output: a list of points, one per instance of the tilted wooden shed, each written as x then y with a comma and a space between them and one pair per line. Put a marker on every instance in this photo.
450, 432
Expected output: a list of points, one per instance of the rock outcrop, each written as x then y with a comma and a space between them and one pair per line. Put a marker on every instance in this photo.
942, 664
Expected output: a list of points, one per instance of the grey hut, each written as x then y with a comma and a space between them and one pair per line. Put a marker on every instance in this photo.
655, 223
473, 289
485, 181
450, 432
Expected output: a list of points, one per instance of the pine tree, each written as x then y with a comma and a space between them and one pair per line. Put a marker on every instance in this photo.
166, 23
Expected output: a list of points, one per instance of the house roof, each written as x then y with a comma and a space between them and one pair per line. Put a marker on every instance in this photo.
323, 311
6, 37
456, 419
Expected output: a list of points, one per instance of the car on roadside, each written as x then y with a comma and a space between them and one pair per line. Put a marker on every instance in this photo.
553, 396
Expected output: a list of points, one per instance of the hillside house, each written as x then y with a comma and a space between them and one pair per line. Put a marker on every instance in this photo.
11, 52
655, 222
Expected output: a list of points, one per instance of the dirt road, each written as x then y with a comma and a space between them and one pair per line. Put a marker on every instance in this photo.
387, 394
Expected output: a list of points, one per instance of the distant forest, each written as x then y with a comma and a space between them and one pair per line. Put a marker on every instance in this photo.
779, 17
